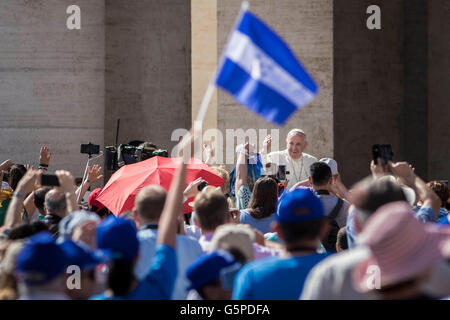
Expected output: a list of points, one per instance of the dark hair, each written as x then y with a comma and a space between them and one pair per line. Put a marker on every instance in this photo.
211, 209
306, 230
440, 189
342, 239
121, 276
379, 193
236, 253
214, 283
320, 173
264, 198
26, 230
39, 198
16, 172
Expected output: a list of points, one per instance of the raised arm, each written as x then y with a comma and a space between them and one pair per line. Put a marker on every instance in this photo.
24, 187
168, 223
93, 176
241, 168
68, 187
404, 171
44, 157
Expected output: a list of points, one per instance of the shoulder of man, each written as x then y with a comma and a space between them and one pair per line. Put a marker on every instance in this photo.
309, 157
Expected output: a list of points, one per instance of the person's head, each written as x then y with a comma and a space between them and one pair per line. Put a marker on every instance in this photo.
86, 261
221, 172
320, 175
341, 243
117, 237
149, 204
369, 195
212, 275
55, 203
403, 251
26, 230
40, 265
39, 198
211, 210
296, 143
300, 221
264, 198
441, 189
16, 172
68, 225
237, 239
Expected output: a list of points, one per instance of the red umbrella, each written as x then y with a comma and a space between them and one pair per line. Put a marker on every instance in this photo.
119, 193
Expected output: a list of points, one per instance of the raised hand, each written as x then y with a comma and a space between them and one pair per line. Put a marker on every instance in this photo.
377, 169
404, 171
94, 173
192, 189
44, 155
28, 181
66, 181
5, 165
267, 143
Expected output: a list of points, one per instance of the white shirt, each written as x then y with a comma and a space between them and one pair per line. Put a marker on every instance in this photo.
187, 251
298, 168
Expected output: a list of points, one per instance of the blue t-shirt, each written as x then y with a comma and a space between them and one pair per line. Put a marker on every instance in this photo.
160, 281
274, 278
263, 225
444, 220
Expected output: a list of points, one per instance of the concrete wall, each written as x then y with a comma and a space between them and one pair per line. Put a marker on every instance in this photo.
368, 84
148, 69
391, 85
307, 27
204, 57
438, 90
51, 81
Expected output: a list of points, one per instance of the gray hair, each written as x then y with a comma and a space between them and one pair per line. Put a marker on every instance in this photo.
55, 202
294, 132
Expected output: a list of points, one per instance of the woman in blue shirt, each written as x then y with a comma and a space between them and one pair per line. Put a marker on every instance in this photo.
261, 208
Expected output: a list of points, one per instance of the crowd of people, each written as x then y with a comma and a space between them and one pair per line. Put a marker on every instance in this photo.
259, 236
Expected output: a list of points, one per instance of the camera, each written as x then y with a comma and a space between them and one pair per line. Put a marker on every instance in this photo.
202, 185
383, 151
132, 152
49, 180
90, 149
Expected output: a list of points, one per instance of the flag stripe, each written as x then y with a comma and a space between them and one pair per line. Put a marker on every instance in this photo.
253, 94
262, 67
275, 47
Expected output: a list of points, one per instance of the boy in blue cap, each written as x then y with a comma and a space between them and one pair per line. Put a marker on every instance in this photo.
212, 276
40, 267
300, 222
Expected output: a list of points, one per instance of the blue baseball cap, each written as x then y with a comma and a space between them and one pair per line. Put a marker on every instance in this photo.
117, 238
299, 205
82, 257
41, 260
219, 264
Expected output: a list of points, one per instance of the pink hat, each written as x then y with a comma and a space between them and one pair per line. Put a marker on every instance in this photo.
401, 246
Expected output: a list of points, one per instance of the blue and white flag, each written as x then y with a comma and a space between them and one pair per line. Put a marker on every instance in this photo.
262, 73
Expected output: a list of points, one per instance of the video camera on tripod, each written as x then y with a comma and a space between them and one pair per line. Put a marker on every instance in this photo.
132, 152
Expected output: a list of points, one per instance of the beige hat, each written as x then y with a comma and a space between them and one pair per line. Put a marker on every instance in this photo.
234, 236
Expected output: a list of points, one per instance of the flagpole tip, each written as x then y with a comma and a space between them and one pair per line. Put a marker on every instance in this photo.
244, 5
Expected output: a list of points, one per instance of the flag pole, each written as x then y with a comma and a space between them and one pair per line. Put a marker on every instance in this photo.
211, 86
